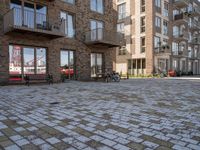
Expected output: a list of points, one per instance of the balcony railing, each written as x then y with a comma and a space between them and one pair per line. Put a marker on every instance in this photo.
17, 20
195, 40
181, 3
104, 38
194, 12
162, 49
180, 36
180, 19
125, 17
178, 53
194, 25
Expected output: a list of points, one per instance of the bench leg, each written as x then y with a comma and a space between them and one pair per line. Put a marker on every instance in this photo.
27, 83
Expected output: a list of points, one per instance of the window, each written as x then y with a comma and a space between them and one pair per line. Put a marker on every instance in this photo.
143, 44
120, 27
29, 15
96, 64
158, 3
166, 9
97, 5
165, 41
165, 27
122, 50
142, 24
158, 22
96, 28
69, 1
175, 64
175, 47
142, 3
69, 24
26, 60
121, 11
157, 42
67, 64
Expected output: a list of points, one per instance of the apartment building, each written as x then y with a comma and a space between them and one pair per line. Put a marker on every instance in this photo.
72, 37
160, 35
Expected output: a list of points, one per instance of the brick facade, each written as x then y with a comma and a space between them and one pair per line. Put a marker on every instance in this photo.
83, 14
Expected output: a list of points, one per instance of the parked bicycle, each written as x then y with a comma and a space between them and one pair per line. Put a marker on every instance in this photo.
113, 76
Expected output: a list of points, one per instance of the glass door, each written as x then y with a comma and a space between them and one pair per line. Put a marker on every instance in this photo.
96, 28
29, 61
16, 5
67, 64
96, 64
41, 16
15, 62
29, 17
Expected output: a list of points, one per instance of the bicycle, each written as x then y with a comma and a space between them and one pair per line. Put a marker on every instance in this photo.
113, 76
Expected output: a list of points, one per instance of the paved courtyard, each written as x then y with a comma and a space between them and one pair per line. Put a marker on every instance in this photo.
133, 114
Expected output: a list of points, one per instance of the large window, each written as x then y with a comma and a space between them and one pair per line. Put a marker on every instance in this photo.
158, 3
157, 42
121, 11
166, 9
136, 66
29, 14
96, 64
67, 62
158, 22
143, 44
26, 60
142, 3
121, 27
142, 24
69, 23
96, 28
96, 5
165, 27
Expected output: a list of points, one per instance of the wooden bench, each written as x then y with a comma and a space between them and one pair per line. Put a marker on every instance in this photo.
35, 78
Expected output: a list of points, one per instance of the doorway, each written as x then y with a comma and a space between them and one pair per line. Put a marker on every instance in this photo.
96, 64
67, 64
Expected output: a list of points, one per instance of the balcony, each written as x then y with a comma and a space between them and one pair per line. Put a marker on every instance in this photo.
195, 41
178, 53
124, 17
177, 36
34, 23
162, 50
180, 19
195, 11
102, 37
194, 25
181, 3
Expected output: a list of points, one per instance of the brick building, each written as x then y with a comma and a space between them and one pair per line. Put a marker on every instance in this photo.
73, 37
160, 35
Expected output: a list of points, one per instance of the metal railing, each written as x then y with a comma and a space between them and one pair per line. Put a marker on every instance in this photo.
19, 18
123, 15
181, 1
196, 40
182, 35
178, 53
104, 36
196, 9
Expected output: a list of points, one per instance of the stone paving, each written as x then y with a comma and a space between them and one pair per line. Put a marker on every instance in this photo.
134, 114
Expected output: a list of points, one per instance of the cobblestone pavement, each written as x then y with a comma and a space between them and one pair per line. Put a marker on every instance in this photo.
133, 114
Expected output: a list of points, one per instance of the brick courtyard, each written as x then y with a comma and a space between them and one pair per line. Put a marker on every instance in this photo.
133, 114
